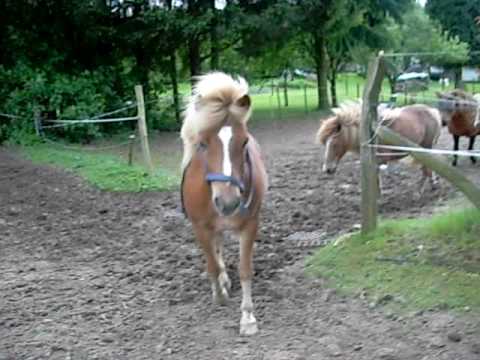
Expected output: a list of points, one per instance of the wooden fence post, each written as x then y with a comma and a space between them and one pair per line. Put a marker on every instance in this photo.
37, 122
131, 139
369, 170
305, 100
435, 163
142, 128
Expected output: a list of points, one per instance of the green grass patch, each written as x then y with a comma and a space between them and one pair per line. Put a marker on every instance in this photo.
427, 263
108, 172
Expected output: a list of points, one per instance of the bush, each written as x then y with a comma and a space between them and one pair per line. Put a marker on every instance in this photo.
63, 96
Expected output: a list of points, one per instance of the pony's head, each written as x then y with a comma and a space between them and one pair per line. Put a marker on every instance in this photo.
339, 134
477, 117
215, 129
225, 154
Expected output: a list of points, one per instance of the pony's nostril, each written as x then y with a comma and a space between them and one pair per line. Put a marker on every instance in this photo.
218, 203
230, 207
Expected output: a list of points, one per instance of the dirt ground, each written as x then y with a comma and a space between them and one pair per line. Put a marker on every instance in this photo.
87, 274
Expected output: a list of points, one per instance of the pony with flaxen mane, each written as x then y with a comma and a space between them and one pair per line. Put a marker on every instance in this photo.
340, 133
461, 113
224, 181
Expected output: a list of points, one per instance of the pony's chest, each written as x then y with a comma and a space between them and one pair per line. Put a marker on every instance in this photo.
228, 223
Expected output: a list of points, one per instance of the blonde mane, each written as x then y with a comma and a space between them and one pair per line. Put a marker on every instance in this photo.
217, 99
347, 114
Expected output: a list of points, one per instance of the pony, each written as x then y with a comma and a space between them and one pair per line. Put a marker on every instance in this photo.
461, 114
224, 181
340, 133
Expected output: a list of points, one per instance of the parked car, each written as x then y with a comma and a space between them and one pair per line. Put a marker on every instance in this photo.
412, 82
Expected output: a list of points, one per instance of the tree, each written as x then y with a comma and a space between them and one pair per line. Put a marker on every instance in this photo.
458, 18
418, 33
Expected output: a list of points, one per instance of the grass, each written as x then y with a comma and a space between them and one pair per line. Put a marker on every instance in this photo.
425, 263
107, 172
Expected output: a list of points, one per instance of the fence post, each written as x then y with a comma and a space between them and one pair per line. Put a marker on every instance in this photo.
37, 122
131, 139
142, 128
369, 170
305, 99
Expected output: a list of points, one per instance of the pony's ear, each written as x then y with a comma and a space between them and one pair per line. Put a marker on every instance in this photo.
244, 101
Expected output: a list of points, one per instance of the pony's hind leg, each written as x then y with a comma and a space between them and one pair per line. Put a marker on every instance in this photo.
248, 323
207, 239
470, 148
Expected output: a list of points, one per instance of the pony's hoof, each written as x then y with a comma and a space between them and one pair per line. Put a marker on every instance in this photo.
224, 281
248, 328
221, 297
474, 161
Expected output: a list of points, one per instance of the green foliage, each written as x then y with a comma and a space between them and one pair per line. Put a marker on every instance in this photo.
107, 172
418, 33
428, 263
458, 18
27, 90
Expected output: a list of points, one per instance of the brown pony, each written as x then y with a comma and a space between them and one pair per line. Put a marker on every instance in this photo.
340, 133
460, 112
224, 181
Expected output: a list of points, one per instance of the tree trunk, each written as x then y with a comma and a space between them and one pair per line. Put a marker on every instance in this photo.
458, 78
214, 48
173, 79
333, 86
321, 68
285, 87
194, 58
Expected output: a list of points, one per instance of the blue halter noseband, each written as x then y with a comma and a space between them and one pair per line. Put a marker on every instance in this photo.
219, 177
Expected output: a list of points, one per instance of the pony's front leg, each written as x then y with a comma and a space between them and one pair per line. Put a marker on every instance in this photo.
223, 278
208, 242
248, 323
456, 141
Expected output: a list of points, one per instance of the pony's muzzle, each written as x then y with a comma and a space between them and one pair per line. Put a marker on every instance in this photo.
227, 206
329, 169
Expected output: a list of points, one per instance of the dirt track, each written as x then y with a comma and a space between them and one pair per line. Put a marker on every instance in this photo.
86, 274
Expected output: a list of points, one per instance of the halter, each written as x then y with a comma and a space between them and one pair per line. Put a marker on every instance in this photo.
220, 177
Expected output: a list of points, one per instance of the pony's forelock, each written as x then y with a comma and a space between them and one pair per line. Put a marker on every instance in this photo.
213, 103
347, 114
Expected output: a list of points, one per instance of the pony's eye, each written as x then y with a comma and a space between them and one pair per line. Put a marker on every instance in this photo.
202, 146
339, 127
245, 142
